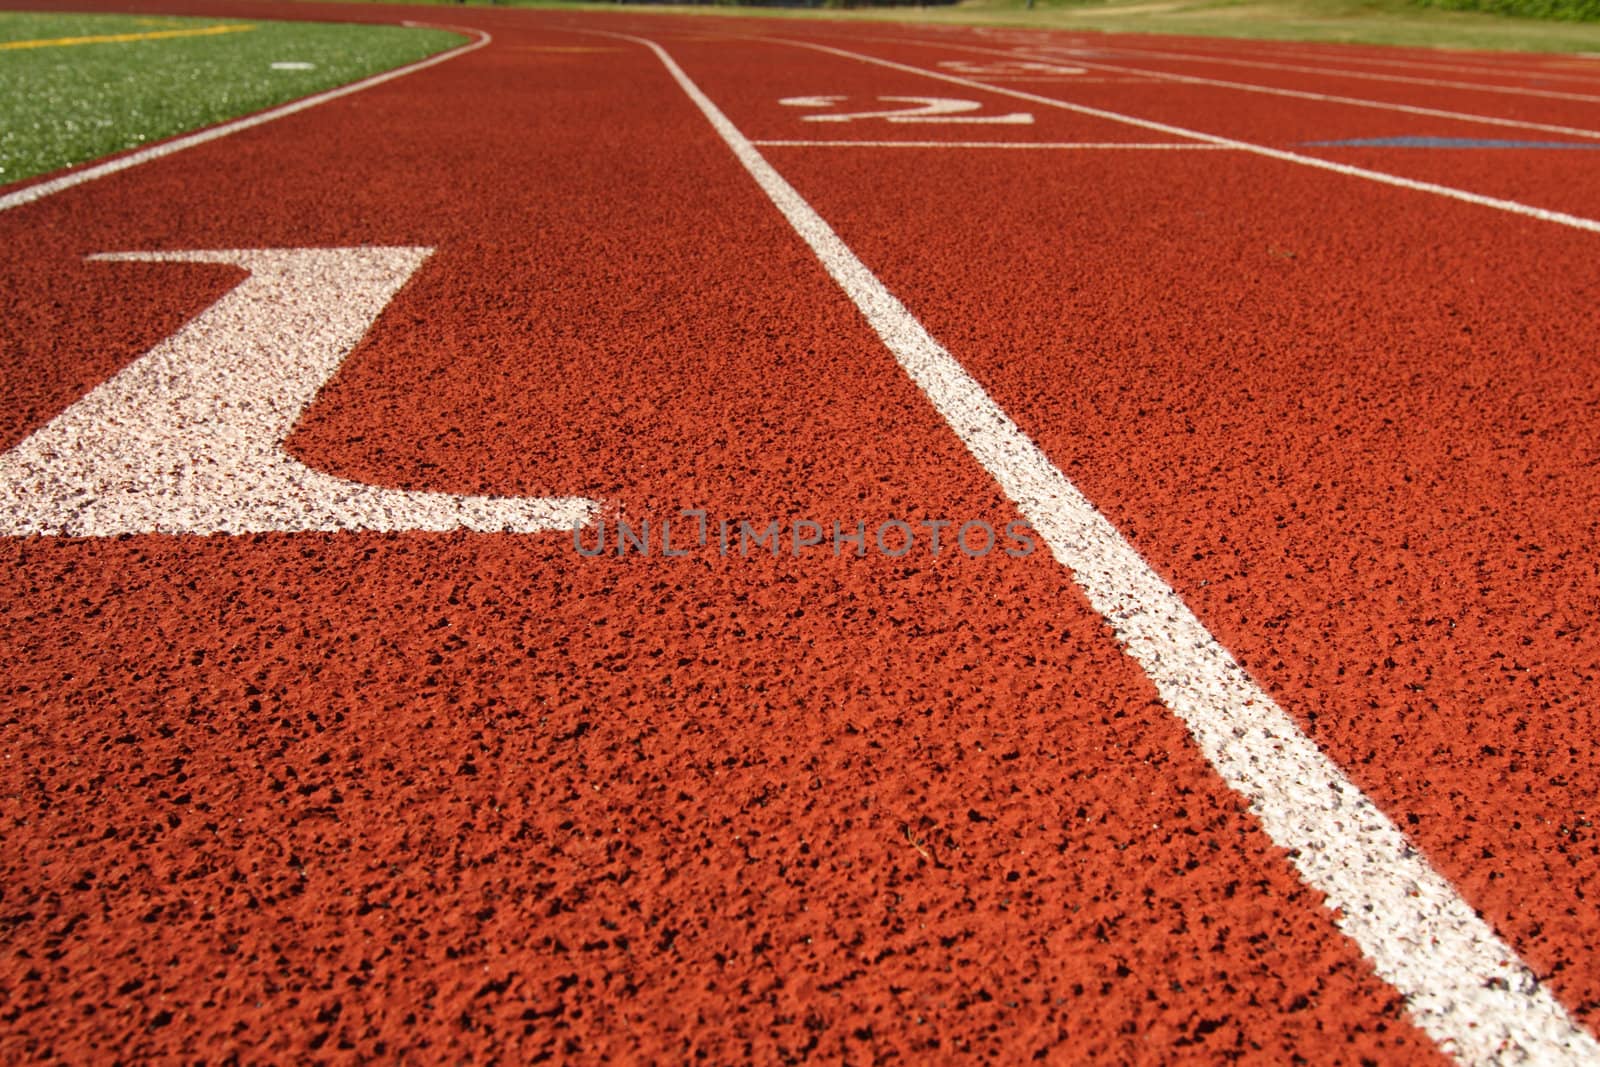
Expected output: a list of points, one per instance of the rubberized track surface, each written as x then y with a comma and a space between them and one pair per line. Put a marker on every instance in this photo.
459, 795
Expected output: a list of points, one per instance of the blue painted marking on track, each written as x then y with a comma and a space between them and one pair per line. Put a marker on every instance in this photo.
1447, 142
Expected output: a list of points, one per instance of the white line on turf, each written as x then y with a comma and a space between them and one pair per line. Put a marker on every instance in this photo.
1462, 984
1056, 145
30, 193
1513, 207
188, 438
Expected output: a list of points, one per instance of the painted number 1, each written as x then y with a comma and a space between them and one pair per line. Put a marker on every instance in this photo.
188, 438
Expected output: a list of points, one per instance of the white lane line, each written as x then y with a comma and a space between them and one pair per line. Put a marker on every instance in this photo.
1149, 146
1462, 984
1346, 101
29, 194
1268, 90
1511, 90
1327, 53
1513, 207
188, 438
1454, 68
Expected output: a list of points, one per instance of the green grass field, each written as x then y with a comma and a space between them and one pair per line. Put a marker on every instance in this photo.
67, 96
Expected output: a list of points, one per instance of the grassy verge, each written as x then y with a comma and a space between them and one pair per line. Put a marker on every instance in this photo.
78, 87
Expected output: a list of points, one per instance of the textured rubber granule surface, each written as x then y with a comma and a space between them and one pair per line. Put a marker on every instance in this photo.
349, 796
1362, 455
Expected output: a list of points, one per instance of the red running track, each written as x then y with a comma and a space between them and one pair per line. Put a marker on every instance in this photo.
345, 796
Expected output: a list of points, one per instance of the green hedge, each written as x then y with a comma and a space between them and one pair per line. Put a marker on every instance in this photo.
1570, 10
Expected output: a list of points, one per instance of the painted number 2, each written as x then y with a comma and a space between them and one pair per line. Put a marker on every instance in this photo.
913, 109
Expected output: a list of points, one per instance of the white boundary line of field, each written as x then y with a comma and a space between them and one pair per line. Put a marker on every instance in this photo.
49, 187
1249, 87
1086, 146
1561, 218
1463, 985
1115, 54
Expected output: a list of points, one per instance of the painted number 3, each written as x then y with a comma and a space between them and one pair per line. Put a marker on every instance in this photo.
931, 109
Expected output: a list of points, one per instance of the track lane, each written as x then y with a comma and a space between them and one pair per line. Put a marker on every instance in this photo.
793, 75
1500, 68
1495, 86
1552, 171
424, 474
1161, 112
321, 748
1441, 61
1440, 956
1561, 113
1308, 307
1441, 101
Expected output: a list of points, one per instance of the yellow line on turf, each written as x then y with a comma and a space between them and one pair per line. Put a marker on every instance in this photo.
123, 38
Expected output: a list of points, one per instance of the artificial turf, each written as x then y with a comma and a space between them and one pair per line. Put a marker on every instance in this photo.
67, 97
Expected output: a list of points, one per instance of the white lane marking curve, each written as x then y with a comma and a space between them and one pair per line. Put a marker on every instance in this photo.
49, 187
